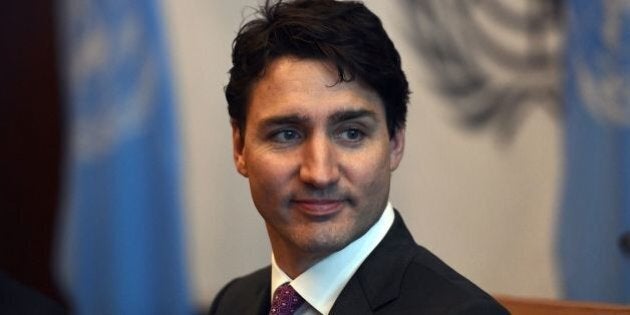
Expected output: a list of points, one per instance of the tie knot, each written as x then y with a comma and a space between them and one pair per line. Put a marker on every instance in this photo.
285, 300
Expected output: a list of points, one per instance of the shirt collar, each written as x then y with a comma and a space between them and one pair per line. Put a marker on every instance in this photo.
321, 284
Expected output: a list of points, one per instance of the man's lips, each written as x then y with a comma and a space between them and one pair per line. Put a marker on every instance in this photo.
318, 207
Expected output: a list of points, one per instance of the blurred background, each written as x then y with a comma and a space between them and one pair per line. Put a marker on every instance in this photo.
119, 196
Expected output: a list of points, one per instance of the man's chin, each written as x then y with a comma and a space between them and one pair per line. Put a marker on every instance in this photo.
323, 245
326, 237
319, 248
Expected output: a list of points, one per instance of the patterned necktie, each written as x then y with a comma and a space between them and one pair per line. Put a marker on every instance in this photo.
285, 300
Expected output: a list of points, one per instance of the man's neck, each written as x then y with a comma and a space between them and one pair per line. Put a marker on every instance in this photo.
295, 267
335, 269
292, 260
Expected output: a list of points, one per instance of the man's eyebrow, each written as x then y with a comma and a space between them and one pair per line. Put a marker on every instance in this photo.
284, 120
296, 119
351, 114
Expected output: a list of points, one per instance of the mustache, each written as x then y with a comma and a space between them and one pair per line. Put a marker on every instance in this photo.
327, 193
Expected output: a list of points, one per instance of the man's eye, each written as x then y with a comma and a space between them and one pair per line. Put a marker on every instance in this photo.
285, 135
351, 135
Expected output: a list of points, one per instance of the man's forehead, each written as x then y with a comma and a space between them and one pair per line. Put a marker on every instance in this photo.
303, 90
291, 76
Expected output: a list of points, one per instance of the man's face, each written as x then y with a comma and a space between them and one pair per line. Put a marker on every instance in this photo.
317, 154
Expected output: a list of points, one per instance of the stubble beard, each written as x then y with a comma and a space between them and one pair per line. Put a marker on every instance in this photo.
325, 238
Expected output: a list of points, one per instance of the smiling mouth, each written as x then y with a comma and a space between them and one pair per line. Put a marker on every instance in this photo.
319, 207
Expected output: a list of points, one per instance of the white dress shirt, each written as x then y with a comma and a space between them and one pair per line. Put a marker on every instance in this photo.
321, 284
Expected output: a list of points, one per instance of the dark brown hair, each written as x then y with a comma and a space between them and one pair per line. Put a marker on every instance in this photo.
344, 33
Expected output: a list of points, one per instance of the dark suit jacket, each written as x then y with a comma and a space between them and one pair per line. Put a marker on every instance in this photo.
398, 277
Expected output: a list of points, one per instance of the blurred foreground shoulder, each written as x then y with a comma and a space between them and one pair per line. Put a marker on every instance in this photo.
244, 295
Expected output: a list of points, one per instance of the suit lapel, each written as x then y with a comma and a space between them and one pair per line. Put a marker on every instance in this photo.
262, 303
352, 300
377, 281
253, 297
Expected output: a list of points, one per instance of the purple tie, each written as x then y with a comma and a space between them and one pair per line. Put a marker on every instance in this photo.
285, 300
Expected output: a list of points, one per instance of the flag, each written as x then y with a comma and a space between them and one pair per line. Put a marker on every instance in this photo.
121, 247
595, 216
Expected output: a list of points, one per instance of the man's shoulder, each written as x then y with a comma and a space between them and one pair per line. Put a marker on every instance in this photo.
260, 276
402, 277
427, 275
251, 283
253, 288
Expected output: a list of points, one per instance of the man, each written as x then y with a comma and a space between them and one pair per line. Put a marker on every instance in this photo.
317, 101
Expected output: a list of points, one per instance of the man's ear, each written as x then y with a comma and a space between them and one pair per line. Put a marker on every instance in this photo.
238, 146
396, 148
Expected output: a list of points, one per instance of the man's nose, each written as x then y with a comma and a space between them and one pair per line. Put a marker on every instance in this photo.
319, 166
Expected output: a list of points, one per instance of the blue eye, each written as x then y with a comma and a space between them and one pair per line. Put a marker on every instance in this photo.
351, 135
285, 136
